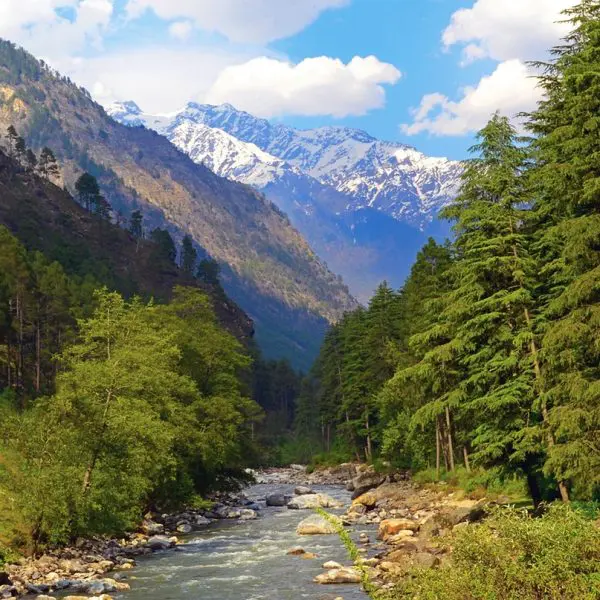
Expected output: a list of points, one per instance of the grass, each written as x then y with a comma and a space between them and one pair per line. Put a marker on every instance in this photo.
514, 556
478, 484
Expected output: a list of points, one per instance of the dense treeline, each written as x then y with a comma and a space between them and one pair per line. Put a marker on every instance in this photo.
111, 403
110, 406
490, 353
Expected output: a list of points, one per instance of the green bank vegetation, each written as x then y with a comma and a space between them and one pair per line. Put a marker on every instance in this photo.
488, 357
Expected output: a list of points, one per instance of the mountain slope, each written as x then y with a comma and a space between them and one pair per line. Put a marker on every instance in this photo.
388, 176
339, 186
268, 268
46, 218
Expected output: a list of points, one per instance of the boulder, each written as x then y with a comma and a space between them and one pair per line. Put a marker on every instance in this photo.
366, 481
184, 528
200, 521
463, 514
312, 501
276, 500
247, 514
365, 501
302, 490
343, 575
159, 542
400, 537
315, 525
331, 564
390, 527
152, 528
296, 551
425, 560
4, 578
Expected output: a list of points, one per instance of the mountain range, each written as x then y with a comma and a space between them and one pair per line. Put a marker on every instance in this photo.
365, 206
268, 268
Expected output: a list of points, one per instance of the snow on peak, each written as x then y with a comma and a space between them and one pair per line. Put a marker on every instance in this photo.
389, 176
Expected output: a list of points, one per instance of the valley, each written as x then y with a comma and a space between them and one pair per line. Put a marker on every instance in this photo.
365, 206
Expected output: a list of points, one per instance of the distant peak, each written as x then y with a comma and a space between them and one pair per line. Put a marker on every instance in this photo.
128, 106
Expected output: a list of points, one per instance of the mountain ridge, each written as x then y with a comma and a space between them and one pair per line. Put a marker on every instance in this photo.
330, 181
267, 267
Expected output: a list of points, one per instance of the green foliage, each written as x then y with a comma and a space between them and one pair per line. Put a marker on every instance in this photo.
88, 192
490, 483
148, 411
189, 256
165, 249
512, 556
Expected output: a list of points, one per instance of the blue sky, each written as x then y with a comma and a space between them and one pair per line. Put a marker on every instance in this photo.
425, 72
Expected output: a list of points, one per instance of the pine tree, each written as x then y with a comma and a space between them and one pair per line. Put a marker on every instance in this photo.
165, 246
102, 208
31, 160
11, 137
189, 255
88, 192
400, 398
567, 207
20, 149
47, 164
208, 271
136, 225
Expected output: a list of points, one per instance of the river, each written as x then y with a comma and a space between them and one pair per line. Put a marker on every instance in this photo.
246, 560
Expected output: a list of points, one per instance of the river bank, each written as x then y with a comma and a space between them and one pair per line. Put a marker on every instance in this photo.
256, 537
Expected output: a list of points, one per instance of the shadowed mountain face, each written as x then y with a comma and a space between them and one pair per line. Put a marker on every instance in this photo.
267, 266
366, 206
46, 218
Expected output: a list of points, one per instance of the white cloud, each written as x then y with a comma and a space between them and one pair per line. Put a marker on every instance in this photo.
158, 79
510, 32
510, 89
316, 86
38, 27
246, 21
181, 30
507, 29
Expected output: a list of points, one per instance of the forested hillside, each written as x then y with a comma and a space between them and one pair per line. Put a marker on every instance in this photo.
267, 267
121, 387
489, 356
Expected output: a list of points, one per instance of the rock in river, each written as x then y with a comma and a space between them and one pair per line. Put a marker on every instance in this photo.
343, 575
312, 501
159, 542
316, 525
276, 500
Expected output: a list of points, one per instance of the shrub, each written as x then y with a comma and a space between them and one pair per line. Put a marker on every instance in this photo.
513, 556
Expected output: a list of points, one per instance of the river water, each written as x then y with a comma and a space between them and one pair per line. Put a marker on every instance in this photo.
245, 560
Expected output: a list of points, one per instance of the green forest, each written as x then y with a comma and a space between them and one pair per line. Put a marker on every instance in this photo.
121, 394
117, 395
489, 356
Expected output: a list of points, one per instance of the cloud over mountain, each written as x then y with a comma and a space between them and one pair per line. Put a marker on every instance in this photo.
269, 87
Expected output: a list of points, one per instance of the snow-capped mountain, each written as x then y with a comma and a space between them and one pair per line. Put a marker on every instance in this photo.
365, 205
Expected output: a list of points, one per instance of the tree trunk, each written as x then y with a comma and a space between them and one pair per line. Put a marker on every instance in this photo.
534, 488
38, 357
562, 487
87, 477
369, 449
450, 446
437, 447
444, 445
466, 455
550, 440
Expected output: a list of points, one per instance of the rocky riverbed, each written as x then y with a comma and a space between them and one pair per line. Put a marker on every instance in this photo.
266, 538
